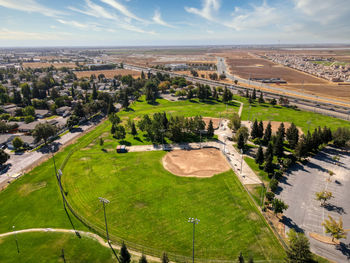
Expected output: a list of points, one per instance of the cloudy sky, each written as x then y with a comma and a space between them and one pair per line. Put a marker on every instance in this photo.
177, 22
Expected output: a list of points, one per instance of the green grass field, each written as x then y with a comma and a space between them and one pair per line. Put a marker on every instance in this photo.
47, 247
149, 206
300, 118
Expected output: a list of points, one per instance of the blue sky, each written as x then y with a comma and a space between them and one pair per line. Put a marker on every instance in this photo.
178, 22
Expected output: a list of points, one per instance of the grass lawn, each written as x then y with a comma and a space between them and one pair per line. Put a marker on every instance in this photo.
47, 247
150, 206
300, 118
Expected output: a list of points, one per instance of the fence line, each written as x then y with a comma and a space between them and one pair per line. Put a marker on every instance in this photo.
133, 246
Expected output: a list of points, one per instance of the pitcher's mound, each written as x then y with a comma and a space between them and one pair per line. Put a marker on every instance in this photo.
196, 163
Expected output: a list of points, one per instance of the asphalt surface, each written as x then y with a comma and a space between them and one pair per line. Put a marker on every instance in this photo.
305, 214
19, 163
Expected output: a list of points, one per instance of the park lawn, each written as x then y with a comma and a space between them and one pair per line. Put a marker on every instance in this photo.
149, 206
187, 108
300, 118
47, 247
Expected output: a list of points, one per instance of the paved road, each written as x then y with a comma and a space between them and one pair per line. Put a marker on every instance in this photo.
305, 213
19, 163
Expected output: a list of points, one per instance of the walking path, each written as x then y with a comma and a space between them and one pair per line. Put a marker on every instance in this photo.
243, 171
76, 232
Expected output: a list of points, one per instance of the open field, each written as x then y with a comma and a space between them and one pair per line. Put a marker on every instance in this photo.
303, 119
335, 91
196, 163
150, 205
107, 73
48, 64
47, 247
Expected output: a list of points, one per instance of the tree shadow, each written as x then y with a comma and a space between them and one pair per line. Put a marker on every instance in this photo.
291, 224
129, 109
138, 139
334, 208
75, 130
344, 249
124, 142
193, 101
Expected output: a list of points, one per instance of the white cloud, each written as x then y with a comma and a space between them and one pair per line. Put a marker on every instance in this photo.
257, 17
30, 6
157, 18
208, 8
122, 9
73, 23
6, 34
323, 11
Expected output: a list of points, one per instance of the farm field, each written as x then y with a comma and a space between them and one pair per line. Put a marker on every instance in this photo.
48, 64
47, 247
108, 73
149, 205
335, 91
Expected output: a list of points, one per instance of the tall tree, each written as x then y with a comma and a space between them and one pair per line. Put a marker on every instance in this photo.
259, 158
25, 89
255, 130
17, 98
281, 131
235, 122
278, 206
298, 248
267, 133
124, 254
240, 258
133, 129
241, 141
43, 131
261, 98
254, 94
3, 157
143, 259
292, 136
334, 228
278, 146
165, 258
260, 130
323, 196
125, 100
94, 92
210, 129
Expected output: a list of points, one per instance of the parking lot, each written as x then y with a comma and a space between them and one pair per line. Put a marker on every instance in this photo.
305, 214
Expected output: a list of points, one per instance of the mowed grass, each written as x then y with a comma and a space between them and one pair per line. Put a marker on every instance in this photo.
47, 247
303, 119
149, 206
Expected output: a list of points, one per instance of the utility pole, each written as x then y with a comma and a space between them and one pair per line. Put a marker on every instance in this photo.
194, 221
13, 228
104, 202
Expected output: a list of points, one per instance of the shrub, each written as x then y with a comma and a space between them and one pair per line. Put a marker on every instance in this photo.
270, 196
273, 185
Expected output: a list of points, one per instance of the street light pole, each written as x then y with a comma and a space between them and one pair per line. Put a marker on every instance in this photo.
194, 221
104, 202
13, 227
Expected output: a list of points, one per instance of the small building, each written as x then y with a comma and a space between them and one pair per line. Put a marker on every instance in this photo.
64, 111
40, 114
121, 149
5, 139
28, 142
28, 127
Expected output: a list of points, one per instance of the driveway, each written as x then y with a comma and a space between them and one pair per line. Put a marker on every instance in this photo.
305, 213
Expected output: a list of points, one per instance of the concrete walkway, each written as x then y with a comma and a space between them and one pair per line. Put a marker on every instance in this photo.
243, 171
76, 232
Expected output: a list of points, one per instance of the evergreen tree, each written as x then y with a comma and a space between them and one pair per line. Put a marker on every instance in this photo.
133, 129
255, 130
278, 146
268, 133
165, 121
17, 98
254, 94
143, 76
143, 259
292, 136
165, 258
298, 248
259, 158
281, 131
247, 93
190, 94
210, 129
278, 206
241, 141
269, 151
215, 94
240, 258
268, 167
300, 149
125, 100
261, 98
260, 130
4, 156
94, 92
124, 254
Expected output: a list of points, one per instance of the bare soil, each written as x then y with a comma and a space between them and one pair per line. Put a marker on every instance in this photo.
216, 122
274, 126
108, 73
196, 163
48, 64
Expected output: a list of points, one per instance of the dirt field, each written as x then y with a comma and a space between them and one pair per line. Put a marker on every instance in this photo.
108, 73
274, 126
47, 65
334, 91
195, 163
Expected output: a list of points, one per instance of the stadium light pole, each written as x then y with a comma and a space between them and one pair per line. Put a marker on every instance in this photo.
241, 160
104, 201
13, 228
193, 221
